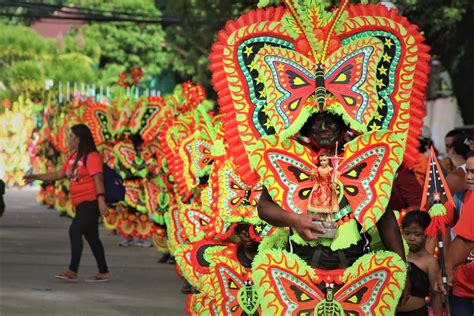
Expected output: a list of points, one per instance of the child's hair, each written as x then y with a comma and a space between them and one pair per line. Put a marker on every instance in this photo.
324, 154
417, 217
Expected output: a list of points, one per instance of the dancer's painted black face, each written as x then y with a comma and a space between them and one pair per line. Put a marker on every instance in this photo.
325, 130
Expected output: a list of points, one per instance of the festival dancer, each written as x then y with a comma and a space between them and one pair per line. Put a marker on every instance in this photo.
357, 67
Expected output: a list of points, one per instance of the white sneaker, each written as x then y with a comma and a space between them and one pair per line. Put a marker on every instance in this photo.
125, 243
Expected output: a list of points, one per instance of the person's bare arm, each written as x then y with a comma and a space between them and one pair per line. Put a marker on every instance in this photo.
457, 254
390, 233
52, 176
392, 239
436, 286
276, 216
100, 189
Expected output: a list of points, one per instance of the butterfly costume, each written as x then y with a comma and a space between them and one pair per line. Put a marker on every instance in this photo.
274, 68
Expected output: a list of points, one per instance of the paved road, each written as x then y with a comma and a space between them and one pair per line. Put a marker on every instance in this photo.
34, 246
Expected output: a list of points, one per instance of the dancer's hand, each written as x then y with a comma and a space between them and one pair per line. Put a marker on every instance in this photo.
303, 224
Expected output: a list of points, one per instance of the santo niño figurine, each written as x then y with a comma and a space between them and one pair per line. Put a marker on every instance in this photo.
323, 197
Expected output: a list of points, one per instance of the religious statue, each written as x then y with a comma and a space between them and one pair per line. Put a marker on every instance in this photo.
323, 198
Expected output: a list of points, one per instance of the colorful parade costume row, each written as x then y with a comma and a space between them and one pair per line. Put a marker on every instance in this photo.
194, 178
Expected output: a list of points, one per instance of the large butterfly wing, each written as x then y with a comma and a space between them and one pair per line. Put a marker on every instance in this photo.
174, 227
237, 200
138, 109
201, 157
227, 279
175, 131
195, 220
350, 79
121, 112
152, 119
228, 275
285, 284
372, 285
236, 78
201, 305
183, 255
152, 192
401, 73
285, 167
289, 81
367, 173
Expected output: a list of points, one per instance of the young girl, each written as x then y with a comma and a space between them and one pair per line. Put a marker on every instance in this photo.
424, 271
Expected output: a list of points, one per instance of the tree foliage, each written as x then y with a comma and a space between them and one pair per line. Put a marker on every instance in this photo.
98, 52
448, 27
122, 45
27, 60
191, 40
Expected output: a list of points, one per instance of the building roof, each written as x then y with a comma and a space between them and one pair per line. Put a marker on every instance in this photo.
57, 28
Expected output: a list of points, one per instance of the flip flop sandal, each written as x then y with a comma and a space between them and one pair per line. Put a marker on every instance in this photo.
66, 278
97, 279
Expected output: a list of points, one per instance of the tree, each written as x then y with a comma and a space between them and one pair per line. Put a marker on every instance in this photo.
122, 45
192, 39
27, 60
447, 26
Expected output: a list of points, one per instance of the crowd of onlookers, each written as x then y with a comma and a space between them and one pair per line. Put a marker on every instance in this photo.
458, 241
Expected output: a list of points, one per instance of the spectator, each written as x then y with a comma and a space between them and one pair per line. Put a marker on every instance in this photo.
424, 271
419, 168
453, 160
458, 152
460, 256
84, 170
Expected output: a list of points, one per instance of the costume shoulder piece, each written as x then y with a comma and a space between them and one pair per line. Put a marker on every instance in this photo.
366, 173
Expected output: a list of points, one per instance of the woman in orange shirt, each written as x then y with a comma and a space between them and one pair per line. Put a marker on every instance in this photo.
84, 171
